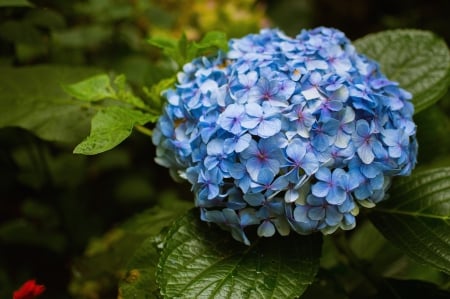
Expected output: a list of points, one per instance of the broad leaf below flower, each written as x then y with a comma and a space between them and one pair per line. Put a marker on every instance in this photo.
202, 261
416, 217
417, 59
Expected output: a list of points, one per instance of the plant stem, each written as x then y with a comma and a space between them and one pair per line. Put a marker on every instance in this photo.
144, 130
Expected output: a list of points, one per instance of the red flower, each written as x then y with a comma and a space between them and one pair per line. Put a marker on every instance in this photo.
29, 290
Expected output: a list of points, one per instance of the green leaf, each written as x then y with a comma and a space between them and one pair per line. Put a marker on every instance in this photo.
170, 47
183, 50
417, 59
210, 43
416, 218
154, 93
31, 98
109, 127
433, 129
17, 3
125, 94
202, 261
92, 89
140, 277
216, 39
163, 42
101, 87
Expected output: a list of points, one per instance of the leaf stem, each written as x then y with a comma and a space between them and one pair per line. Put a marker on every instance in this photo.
144, 130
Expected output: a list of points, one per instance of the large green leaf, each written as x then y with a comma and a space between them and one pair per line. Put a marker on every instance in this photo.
417, 59
110, 126
32, 98
202, 261
416, 217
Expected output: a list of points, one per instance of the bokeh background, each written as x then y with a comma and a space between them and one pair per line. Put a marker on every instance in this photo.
60, 213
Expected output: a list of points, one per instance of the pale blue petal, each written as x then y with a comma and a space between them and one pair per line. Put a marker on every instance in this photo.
301, 214
266, 229
296, 150
323, 174
215, 147
316, 213
333, 217
310, 164
253, 166
269, 127
243, 143
320, 189
336, 196
311, 93
365, 153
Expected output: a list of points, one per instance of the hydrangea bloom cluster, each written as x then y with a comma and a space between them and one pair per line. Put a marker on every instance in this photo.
286, 134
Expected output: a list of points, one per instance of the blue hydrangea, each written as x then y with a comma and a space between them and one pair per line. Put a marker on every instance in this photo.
286, 134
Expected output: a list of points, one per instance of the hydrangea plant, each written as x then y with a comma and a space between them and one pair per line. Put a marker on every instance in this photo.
283, 134
286, 133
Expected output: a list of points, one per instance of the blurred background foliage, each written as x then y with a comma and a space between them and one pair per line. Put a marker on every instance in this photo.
61, 214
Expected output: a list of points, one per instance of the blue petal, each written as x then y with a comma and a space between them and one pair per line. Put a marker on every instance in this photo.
301, 214
333, 217
320, 189
365, 153
310, 164
253, 166
213, 216
323, 174
268, 127
336, 196
248, 217
316, 213
254, 199
296, 150
231, 216
243, 143
266, 229
265, 176
362, 128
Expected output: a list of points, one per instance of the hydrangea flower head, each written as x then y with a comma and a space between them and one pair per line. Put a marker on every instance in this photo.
286, 134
